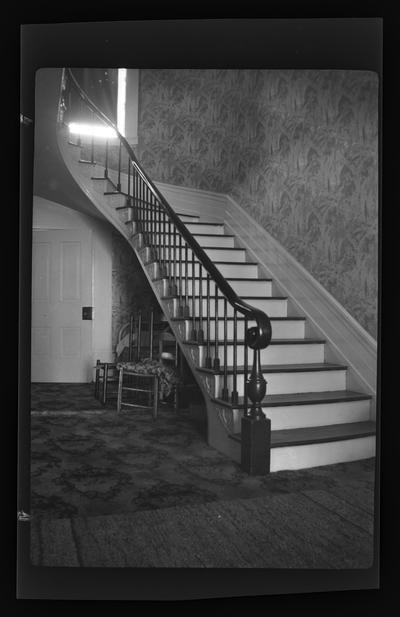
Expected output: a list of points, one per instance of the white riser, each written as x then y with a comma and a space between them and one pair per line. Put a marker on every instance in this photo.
90, 171
274, 308
206, 229
280, 329
324, 414
187, 219
217, 241
290, 383
241, 288
274, 354
213, 253
227, 270
314, 455
115, 201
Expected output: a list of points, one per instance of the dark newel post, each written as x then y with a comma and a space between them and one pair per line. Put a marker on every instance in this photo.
256, 427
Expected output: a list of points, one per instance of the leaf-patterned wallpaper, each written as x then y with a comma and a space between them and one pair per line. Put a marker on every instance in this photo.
131, 291
297, 149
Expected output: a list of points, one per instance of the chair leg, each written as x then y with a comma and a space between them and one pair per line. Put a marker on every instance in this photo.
105, 378
121, 376
155, 402
97, 380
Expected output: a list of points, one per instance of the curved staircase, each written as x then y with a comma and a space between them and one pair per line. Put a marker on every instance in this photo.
313, 419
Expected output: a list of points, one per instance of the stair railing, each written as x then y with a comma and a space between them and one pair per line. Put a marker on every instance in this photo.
193, 280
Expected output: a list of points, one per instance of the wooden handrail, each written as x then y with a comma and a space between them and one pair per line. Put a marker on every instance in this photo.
257, 337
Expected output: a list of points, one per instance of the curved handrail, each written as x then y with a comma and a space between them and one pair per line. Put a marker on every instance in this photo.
257, 337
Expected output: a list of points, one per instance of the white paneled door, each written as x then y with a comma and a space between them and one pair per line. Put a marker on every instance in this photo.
61, 286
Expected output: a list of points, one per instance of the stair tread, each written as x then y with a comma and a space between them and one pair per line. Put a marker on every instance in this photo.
303, 398
282, 368
197, 278
206, 223
217, 261
277, 341
213, 236
204, 296
319, 434
192, 216
241, 318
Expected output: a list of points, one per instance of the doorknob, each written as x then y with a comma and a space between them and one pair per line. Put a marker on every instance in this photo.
87, 312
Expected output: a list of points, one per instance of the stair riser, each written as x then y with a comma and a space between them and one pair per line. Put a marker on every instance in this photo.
216, 241
227, 270
274, 308
206, 229
314, 455
187, 219
242, 288
215, 230
274, 354
88, 170
102, 186
301, 416
290, 383
213, 253
115, 201
280, 330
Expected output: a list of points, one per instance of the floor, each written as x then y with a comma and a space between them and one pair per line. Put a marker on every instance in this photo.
89, 464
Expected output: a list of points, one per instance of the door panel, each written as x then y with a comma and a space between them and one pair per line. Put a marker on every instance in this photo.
61, 286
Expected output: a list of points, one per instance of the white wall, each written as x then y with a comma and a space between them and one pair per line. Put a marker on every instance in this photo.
51, 215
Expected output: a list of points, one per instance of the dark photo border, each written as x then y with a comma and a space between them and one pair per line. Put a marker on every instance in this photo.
303, 42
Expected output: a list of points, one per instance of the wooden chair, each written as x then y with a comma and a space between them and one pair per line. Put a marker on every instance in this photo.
138, 383
135, 341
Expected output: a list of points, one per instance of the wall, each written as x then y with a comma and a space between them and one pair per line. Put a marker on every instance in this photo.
131, 291
119, 284
51, 215
296, 149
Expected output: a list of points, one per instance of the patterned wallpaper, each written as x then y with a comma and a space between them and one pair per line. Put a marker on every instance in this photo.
131, 291
297, 149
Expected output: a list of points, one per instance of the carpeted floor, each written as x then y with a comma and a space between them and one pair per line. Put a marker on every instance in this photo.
96, 476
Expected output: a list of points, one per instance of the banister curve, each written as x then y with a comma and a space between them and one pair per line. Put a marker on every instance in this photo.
257, 337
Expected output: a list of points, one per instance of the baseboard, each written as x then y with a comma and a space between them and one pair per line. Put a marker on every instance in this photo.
348, 342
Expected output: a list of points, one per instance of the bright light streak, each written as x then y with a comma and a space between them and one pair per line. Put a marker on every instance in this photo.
121, 101
93, 130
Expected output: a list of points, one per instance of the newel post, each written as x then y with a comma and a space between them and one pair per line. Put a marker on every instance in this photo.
256, 427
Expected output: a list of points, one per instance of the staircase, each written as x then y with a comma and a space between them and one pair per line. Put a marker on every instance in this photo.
231, 323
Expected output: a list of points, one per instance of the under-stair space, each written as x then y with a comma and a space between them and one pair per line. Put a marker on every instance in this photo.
315, 418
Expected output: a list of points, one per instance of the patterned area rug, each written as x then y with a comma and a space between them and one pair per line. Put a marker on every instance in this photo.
88, 461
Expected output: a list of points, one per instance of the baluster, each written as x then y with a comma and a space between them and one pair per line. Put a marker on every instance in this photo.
208, 356
246, 371
169, 245
225, 393
186, 310
128, 198
119, 167
200, 333
151, 223
106, 161
235, 396
163, 238
175, 293
193, 335
180, 253
217, 364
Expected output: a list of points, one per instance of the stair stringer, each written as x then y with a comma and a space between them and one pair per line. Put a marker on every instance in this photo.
219, 418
